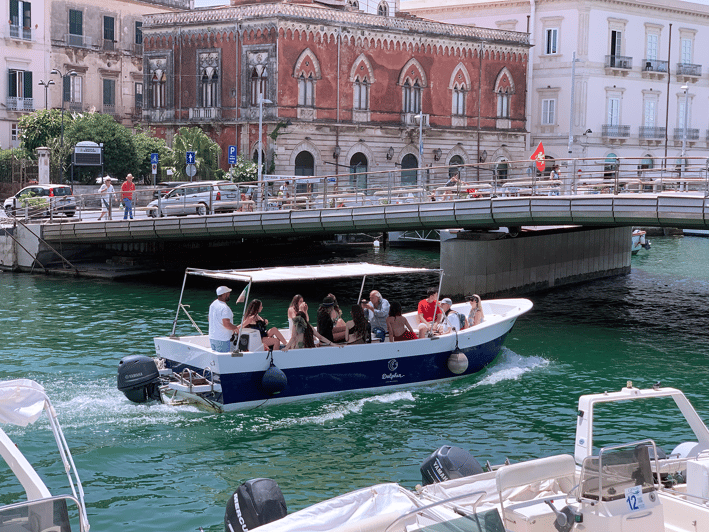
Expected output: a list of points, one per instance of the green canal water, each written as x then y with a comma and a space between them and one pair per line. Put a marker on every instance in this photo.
167, 469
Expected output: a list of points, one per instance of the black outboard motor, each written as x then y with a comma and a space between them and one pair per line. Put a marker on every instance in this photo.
139, 378
449, 462
256, 502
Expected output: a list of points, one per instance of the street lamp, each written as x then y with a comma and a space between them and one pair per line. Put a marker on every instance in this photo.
685, 88
46, 85
420, 117
61, 163
261, 101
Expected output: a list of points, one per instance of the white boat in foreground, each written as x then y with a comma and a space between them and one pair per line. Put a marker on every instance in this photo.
188, 370
22, 402
628, 487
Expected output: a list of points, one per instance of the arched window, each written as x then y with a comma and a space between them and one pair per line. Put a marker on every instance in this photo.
383, 9
305, 90
610, 165
304, 164
412, 97
209, 83
158, 84
408, 172
361, 94
459, 99
503, 104
354, 4
501, 170
453, 165
358, 171
646, 163
259, 79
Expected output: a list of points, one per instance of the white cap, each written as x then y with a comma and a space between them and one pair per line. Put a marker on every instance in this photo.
223, 290
107, 178
447, 301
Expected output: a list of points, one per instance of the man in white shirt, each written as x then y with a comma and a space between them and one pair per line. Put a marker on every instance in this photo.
452, 320
221, 317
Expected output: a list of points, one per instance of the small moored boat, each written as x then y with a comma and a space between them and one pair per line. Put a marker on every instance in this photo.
186, 369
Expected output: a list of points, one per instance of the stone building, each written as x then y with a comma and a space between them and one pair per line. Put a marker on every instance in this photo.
639, 88
344, 89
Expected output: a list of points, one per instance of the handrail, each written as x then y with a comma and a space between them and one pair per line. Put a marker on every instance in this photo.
440, 502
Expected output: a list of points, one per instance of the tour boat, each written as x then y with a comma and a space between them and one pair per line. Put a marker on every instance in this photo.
625, 487
186, 369
22, 402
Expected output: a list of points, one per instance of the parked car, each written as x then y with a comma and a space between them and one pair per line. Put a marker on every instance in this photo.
200, 197
166, 186
37, 200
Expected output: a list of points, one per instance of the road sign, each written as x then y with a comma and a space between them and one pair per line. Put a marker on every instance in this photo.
155, 168
191, 169
232, 154
189, 157
154, 158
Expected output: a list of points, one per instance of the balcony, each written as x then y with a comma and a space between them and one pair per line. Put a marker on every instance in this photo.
652, 133
75, 107
615, 132
619, 64
108, 109
109, 45
80, 41
205, 113
654, 68
18, 32
158, 115
411, 119
692, 134
136, 49
14, 103
688, 72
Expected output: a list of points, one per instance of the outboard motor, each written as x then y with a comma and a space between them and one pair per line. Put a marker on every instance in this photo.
256, 502
139, 378
449, 462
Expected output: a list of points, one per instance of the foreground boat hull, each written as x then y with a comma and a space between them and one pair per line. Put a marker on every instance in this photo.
312, 373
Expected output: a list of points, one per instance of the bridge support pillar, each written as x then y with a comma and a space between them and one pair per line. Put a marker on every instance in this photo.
478, 263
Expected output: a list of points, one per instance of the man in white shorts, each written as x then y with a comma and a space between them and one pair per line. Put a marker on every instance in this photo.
221, 317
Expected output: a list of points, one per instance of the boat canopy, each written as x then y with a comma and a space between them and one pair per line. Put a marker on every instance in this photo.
21, 402
308, 273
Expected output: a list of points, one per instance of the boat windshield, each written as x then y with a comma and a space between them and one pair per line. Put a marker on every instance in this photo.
44, 515
482, 521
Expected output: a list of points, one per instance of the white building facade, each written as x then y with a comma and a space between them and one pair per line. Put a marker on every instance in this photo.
640, 86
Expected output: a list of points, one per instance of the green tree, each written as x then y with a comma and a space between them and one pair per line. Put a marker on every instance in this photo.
244, 170
207, 153
144, 146
39, 127
119, 152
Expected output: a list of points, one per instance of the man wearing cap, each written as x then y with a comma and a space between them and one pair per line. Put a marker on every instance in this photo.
221, 317
127, 189
106, 194
377, 309
453, 321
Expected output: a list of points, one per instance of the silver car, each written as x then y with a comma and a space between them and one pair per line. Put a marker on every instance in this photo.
200, 197
39, 200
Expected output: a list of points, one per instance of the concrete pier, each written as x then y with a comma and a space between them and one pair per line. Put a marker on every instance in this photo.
475, 263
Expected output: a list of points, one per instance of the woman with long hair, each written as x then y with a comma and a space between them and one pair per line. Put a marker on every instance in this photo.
297, 304
357, 330
475, 316
302, 335
399, 327
271, 338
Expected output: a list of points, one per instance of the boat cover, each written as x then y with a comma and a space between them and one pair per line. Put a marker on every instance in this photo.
383, 503
21, 401
309, 273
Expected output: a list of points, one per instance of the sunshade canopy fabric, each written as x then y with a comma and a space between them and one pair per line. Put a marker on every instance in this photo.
21, 401
308, 273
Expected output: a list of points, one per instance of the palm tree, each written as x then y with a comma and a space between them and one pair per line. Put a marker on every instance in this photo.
207, 152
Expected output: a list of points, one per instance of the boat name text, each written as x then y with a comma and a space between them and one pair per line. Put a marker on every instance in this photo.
391, 376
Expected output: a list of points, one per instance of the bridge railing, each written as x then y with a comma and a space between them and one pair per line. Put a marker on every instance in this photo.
610, 175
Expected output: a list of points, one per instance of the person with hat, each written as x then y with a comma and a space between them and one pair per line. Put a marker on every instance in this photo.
106, 195
221, 326
475, 316
328, 318
377, 309
127, 189
452, 320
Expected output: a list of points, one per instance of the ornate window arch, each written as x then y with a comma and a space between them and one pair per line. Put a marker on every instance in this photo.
307, 72
158, 84
459, 86
361, 77
412, 80
383, 9
208, 95
504, 89
259, 82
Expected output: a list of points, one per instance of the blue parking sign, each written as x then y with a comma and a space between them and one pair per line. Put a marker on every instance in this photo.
154, 158
232, 155
189, 157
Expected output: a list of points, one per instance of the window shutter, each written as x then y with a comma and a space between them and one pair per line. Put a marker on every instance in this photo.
14, 13
12, 84
66, 88
28, 84
27, 12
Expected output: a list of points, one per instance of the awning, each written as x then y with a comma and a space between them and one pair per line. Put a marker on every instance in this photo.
21, 402
309, 273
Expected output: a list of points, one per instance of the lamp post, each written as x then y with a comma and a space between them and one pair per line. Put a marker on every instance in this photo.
420, 116
61, 143
46, 85
685, 88
261, 101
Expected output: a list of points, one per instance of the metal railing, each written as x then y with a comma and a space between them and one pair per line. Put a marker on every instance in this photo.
692, 133
619, 61
616, 131
575, 177
651, 132
687, 69
655, 65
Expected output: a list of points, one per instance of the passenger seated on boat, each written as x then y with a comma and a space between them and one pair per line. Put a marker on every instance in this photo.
329, 318
399, 327
358, 330
296, 304
429, 313
475, 316
303, 335
452, 320
338, 324
221, 327
377, 310
271, 338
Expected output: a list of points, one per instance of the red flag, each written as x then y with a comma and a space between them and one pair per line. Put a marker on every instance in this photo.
538, 156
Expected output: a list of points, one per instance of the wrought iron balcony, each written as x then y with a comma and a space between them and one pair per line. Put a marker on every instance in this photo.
109, 109
692, 133
651, 132
158, 115
655, 65
619, 61
109, 45
136, 49
14, 103
686, 69
81, 41
18, 32
611, 131
75, 107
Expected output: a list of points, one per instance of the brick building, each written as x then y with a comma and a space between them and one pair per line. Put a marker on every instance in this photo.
346, 88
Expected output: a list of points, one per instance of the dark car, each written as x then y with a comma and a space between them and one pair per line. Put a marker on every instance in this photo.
38, 200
